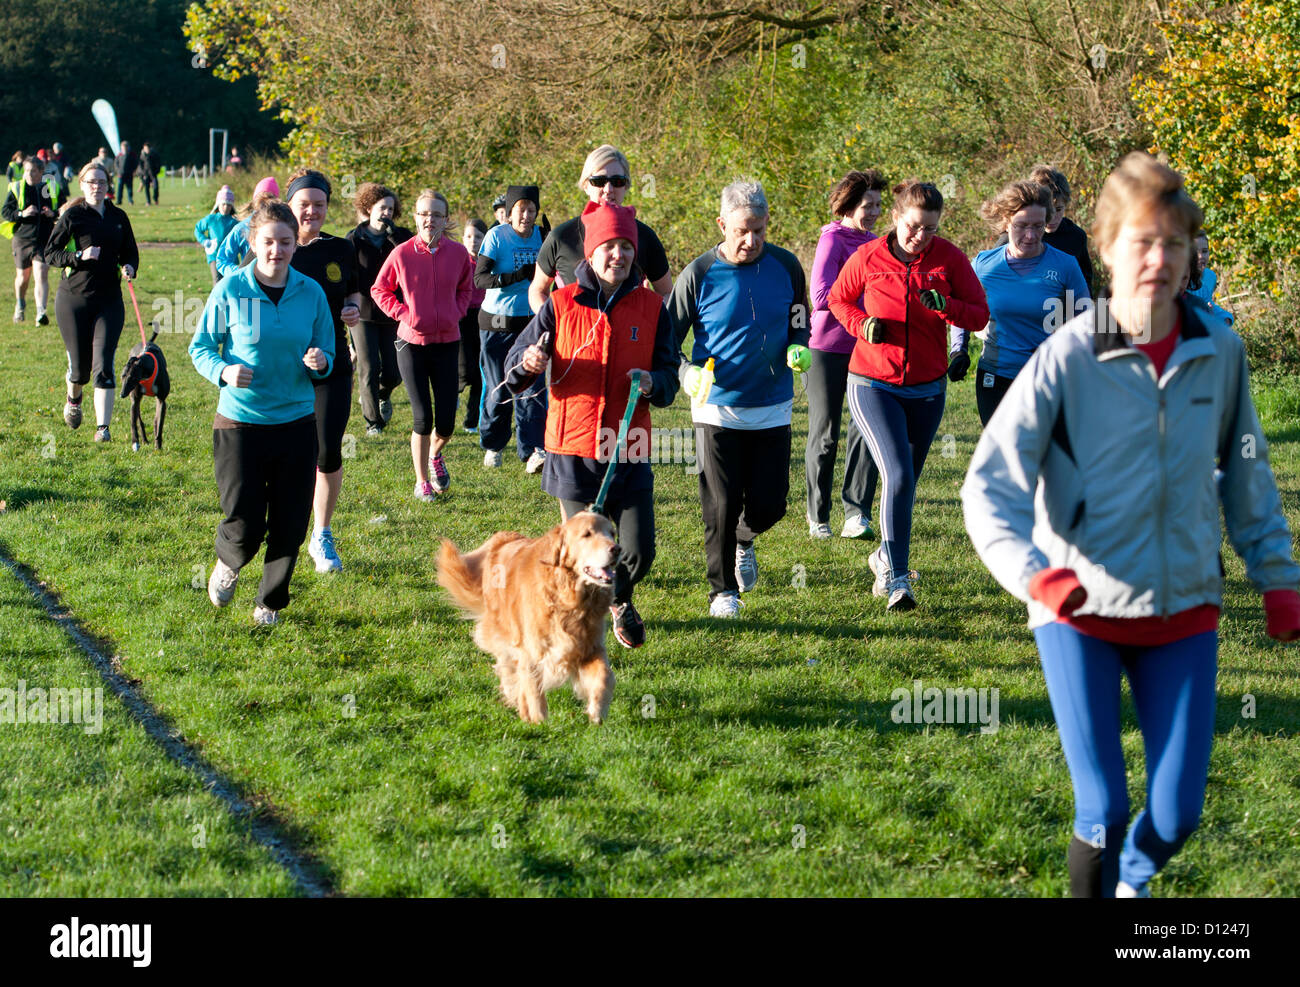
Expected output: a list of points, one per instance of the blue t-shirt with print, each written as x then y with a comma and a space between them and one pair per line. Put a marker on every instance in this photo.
509, 252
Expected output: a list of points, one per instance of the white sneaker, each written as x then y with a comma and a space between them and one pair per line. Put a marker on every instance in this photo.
373, 431
818, 529
265, 617
1126, 890
855, 527
746, 568
492, 458
386, 410
725, 605
323, 552
535, 462
221, 585
900, 594
877, 563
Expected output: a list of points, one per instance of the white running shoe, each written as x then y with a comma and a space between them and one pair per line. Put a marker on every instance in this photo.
818, 529
535, 462
323, 552
725, 605
877, 563
438, 474
1126, 890
856, 527
265, 616
746, 568
386, 410
221, 585
492, 458
900, 593
424, 491
72, 414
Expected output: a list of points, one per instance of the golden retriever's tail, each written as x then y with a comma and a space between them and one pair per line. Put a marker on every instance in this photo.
460, 583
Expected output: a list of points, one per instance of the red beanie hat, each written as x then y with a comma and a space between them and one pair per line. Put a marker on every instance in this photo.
601, 223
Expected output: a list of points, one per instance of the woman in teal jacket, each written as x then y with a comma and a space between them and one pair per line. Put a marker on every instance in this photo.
265, 336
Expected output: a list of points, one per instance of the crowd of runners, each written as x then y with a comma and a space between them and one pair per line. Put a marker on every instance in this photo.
1114, 430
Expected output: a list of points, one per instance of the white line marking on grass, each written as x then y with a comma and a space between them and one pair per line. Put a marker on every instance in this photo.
306, 874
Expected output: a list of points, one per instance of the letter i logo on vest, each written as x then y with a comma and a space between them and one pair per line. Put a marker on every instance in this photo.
635, 330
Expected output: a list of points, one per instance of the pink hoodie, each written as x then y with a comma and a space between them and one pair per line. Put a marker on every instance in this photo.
436, 289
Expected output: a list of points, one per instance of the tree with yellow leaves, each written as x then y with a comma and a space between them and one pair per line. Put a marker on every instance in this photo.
1225, 107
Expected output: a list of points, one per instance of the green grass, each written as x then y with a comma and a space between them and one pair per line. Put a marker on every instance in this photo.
778, 720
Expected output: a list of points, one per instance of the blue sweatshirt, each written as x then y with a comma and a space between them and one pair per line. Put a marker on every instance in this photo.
744, 316
1024, 307
240, 325
212, 229
232, 249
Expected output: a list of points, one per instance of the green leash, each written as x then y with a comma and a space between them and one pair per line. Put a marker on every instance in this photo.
598, 507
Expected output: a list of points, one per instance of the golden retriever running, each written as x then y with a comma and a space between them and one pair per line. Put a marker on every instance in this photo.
540, 606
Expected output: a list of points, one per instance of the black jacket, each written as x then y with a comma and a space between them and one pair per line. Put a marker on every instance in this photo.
370, 259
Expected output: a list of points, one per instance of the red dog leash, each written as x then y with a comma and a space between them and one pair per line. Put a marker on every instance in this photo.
147, 383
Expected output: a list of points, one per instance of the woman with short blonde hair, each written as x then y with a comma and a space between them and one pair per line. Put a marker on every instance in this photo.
1094, 496
605, 179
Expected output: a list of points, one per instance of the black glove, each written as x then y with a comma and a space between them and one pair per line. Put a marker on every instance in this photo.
873, 330
958, 365
933, 300
524, 273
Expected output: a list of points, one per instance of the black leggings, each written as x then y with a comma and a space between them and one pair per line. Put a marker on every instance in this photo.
90, 326
634, 517
333, 406
435, 365
990, 389
266, 484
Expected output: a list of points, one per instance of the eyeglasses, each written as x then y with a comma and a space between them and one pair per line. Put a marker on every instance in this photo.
1021, 228
914, 230
430, 215
600, 181
94, 182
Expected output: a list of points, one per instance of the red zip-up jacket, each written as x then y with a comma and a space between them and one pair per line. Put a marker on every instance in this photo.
436, 289
876, 283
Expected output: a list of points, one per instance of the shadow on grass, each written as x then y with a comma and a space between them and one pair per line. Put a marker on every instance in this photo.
23, 496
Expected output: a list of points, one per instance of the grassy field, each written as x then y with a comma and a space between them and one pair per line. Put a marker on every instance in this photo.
756, 757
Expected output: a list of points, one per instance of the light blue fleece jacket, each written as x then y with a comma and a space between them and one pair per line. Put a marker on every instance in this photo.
240, 325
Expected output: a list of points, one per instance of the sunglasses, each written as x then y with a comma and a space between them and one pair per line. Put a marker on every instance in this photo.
600, 181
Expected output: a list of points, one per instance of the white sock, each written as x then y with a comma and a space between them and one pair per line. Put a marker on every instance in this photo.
103, 406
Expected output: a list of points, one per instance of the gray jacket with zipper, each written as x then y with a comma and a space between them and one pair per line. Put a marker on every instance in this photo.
1090, 463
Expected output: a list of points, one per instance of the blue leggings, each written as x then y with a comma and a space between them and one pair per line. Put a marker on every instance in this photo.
898, 430
1173, 690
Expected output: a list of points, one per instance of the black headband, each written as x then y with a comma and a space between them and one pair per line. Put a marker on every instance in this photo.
307, 181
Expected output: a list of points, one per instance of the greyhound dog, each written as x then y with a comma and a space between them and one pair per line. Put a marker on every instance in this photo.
146, 373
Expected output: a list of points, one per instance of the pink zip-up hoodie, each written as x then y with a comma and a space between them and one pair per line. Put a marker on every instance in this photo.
436, 288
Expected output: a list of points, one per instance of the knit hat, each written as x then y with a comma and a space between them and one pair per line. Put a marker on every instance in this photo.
268, 185
499, 202
517, 192
602, 223
225, 195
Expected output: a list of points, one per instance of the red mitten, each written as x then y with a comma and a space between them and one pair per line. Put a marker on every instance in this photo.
1282, 614
1059, 590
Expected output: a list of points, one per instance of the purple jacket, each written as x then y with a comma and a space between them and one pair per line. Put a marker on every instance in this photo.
834, 248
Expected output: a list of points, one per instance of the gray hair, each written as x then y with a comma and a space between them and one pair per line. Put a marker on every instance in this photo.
744, 196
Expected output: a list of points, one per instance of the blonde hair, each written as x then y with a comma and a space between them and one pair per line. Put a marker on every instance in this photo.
90, 166
428, 193
997, 211
600, 157
1140, 185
